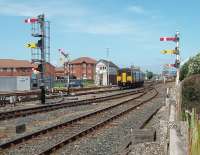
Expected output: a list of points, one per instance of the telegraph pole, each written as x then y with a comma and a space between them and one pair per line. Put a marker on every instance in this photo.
41, 21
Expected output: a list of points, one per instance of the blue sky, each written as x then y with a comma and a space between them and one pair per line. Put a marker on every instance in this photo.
129, 28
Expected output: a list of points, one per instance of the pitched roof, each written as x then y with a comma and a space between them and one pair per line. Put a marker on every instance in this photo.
59, 69
111, 64
84, 59
13, 63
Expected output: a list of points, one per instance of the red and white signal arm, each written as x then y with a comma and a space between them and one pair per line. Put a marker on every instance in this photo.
170, 65
35, 71
63, 53
31, 20
168, 39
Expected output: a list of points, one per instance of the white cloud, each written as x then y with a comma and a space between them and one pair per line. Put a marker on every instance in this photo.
136, 9
102, 28
73, 17
52, 9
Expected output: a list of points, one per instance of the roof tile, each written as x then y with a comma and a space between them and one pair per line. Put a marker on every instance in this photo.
83, 59
12, 63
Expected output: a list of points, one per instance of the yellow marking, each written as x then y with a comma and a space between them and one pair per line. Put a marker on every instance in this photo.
168, 52
31, 45
129, 78
119, 78
123, 77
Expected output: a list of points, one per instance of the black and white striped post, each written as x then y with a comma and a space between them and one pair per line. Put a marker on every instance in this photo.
177, 63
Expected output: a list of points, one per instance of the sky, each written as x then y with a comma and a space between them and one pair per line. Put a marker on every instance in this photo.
129, 28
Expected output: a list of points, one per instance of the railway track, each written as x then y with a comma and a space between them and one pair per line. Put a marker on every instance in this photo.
34, 95
64, 133
37, 92
49, 107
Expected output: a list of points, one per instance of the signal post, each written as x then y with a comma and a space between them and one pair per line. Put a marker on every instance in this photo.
175, 143
42, 55
41, 45
176, 51
66, 57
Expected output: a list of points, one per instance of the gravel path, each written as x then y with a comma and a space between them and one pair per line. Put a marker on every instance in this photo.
37, 103
29, 104
159, 122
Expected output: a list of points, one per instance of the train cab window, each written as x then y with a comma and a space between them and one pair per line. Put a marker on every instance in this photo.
119, 73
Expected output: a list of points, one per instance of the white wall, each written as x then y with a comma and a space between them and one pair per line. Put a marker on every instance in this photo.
23, 83
14, 83
102, 69
112, 70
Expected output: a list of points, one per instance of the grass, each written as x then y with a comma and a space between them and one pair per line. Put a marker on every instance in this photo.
58, 85
194, 132
88, 83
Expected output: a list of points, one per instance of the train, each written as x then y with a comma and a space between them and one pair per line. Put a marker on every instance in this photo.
130, 78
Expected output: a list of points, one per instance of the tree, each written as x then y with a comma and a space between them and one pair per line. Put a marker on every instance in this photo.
194, 65
184, 71
191, 67
149, 74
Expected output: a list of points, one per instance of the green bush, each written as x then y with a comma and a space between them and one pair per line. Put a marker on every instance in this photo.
191, 67
191, 92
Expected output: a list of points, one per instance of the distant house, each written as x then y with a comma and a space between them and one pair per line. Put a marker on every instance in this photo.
83, 68
60, 72
102, 69
14, 68
50, 75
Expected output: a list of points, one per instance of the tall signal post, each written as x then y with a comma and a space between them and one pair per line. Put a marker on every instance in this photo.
108, 69
175, 39
41, 50
66, 67
177, 63
41, 21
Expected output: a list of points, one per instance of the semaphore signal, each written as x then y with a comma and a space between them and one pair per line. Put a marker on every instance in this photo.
40, 50
168, 39
31, 20
176, 52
